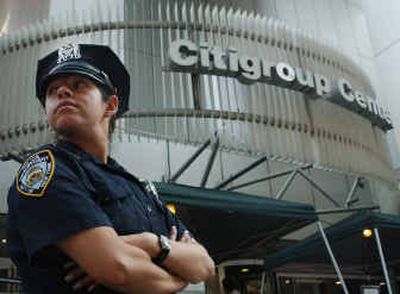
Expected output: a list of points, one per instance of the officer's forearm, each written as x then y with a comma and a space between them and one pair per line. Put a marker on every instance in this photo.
188, 260
139, 275
102, 254
158, 282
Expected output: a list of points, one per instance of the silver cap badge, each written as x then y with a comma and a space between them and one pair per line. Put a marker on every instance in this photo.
68, 52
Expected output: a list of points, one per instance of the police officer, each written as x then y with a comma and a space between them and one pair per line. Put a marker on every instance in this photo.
73, 204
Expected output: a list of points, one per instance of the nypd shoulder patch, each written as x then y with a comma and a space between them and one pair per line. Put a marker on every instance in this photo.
35, 174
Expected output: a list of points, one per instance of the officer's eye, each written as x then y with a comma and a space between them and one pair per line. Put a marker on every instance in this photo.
51, 90
79, 85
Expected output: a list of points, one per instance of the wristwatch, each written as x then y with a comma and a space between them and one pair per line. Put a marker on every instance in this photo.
165, 249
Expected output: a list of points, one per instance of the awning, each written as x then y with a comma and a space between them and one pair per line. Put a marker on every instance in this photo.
235, 225
349, 245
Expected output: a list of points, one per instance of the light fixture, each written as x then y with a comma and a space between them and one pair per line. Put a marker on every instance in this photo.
338, 282
171, 207
4, 241
367, 233
244, 270
382, 284
287, 281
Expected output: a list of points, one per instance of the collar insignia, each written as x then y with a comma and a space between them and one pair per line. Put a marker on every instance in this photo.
151, 189
69, 52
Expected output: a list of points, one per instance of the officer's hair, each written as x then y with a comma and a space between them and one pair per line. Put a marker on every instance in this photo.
105, 94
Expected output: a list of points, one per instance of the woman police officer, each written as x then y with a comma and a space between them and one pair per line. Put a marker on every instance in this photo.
71, 201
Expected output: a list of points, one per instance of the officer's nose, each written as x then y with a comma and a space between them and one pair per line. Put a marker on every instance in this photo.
64, 92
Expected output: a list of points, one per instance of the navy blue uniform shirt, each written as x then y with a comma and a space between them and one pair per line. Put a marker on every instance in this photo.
61, 190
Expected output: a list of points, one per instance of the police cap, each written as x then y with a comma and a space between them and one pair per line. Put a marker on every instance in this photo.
97, 62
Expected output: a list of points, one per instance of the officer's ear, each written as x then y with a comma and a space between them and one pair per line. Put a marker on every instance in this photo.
111, 106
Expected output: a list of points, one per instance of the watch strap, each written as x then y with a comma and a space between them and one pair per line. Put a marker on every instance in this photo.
165, 248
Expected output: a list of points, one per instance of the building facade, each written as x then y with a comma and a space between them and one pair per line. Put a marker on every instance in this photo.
288, 82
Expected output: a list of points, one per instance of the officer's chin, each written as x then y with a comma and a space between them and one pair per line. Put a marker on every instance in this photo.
66, 129
65, 133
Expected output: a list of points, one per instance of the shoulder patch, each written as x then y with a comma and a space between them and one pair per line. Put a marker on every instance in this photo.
35, 174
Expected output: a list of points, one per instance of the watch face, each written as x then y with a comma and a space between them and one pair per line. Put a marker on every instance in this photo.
164, 241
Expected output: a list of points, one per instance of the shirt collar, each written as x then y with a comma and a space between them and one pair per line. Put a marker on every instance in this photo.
75, 150
81, 154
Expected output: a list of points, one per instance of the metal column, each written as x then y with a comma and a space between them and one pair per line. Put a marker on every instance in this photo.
382, 257
190, 161
327, 196
335, 264
286, 185
210, 163
241, 172
262, 282
352, 192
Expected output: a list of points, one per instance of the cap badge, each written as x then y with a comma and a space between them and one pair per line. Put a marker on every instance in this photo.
68, 52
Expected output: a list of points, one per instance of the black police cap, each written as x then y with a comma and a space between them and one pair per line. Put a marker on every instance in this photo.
97, 62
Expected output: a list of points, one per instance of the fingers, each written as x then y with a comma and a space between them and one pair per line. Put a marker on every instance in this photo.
85, 282
74, 274
173, 234
182, 284
78, 277
92, 287
69, 265
186, 237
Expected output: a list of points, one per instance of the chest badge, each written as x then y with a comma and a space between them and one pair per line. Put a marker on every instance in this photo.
35, 174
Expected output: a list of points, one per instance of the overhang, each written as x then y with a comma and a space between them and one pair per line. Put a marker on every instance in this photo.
235, 225
350, 247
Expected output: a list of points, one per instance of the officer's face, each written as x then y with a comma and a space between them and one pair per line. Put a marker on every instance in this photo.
74, 103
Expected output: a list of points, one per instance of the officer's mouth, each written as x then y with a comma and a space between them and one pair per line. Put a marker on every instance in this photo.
65, 107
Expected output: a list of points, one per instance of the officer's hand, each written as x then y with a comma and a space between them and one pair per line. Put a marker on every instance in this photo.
78, 278
186, 238
173, 233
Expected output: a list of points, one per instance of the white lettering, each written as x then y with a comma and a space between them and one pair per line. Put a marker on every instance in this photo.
345, 90
285, 72
219, 58
251, 69
204, 56
183, 53
305, 81
186, 56
322, 85
359, 98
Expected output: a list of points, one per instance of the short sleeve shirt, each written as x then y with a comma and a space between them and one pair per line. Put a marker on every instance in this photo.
61, 190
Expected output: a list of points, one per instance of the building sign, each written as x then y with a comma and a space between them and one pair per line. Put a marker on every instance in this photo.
187, 56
